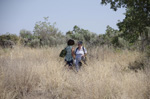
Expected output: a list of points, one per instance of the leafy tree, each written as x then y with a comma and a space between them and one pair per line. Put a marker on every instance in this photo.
25, 33
110, 35
137, 17
76, 28
69, 33
45, 29
48, 34
136, 4
44, 34
81, 34
133, 25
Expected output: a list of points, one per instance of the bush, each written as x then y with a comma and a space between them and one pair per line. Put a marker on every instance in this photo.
8, 40
34, 43
44, 34
48, 34
79, 34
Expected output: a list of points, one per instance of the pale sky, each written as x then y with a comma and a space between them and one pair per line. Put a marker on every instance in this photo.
87, 14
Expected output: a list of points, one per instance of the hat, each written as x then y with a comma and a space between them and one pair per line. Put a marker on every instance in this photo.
80, 42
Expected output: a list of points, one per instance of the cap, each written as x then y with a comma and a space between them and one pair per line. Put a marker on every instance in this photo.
80, 42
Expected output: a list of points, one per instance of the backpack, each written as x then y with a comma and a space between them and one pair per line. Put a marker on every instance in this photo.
63, 53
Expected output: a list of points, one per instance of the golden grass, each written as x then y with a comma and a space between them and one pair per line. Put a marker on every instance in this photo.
27, 73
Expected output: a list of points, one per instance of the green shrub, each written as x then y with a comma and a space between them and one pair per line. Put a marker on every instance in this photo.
34, 43
8, 40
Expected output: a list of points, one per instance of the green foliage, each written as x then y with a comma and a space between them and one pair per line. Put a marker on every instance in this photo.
44, 29
69, 33
137, 18
34, 43
133, 25
112, 37
109, 35
25, 34
137, 4
44, 34
81, 34
48, 34
8, 40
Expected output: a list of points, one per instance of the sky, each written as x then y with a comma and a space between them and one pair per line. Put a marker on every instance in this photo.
87, 14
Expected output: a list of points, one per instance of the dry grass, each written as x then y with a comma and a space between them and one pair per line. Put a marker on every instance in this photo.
27, 73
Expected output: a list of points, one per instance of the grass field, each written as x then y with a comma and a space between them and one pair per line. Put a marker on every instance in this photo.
27, 73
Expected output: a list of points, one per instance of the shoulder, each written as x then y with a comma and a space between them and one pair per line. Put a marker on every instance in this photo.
76, 48
72, 48
69, 47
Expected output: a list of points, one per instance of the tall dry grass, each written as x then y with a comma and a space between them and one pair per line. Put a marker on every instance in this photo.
27, 73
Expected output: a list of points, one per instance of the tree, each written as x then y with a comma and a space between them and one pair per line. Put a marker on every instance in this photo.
136, 4
45, 29
133, 25
48, 34
25, 33
81, 34
69, 33
136, 20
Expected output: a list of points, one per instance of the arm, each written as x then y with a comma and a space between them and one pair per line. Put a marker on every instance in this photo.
73, 54
85, 52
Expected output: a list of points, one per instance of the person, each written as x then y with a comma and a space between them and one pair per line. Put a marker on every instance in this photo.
70, 56
80, 55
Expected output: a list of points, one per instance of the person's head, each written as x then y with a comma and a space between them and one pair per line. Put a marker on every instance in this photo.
80, 43
70, 42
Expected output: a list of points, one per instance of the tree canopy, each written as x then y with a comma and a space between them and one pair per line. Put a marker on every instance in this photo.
137, 17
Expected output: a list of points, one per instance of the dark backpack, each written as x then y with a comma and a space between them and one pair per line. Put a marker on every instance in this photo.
63, 53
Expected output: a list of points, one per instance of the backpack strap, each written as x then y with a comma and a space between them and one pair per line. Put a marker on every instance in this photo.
82, 48
76, 50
